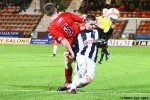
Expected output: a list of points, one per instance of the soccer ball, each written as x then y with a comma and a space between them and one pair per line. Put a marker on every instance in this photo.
112, 14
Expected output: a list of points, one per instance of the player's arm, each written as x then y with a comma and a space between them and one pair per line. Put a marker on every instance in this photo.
68, 47
61, 39
109, 33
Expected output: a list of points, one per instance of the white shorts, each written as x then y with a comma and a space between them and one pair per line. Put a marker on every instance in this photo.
83, 61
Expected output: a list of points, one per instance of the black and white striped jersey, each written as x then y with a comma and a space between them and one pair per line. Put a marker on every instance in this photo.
85, 43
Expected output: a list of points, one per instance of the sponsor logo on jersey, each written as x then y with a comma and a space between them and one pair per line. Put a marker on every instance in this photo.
59, 39
60, 20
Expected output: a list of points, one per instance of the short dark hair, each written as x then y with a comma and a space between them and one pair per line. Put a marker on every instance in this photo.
90, 17
49, 8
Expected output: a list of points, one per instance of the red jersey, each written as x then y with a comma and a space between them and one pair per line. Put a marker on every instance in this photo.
64, 27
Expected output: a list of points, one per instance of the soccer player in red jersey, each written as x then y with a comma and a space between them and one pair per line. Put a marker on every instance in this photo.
63, 29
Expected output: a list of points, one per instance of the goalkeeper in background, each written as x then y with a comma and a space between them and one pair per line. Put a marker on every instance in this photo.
108, 26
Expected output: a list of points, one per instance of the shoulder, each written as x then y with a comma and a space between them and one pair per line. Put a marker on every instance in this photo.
53, 24
85, 31
99, 30
82, 33
70, 13
67, 13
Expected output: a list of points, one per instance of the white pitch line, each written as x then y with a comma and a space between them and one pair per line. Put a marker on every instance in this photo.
25, 90
5, 90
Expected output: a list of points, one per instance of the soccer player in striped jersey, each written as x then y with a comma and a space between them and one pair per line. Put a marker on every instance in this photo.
86, 56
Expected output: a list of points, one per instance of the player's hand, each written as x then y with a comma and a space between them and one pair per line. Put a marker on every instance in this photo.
68, 55
112, 26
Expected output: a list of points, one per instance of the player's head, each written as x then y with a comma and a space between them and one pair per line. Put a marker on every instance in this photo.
49, 9
90, 22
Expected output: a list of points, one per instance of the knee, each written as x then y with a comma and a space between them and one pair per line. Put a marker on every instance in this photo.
89, 79
68, 63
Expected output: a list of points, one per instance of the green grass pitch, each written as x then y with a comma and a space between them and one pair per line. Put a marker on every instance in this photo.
28, 72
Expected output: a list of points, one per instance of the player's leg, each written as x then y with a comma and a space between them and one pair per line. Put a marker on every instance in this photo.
54, 49
89, 75
107, 54
84, 74
80, 71
68, 71
68, 74
102, 56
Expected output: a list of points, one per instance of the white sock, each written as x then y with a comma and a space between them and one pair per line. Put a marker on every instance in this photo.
69, 85
54, 49
77, 82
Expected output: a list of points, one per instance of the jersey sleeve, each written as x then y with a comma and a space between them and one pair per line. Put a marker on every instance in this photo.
102, 41
78, 43
109, 33
76, 18
100, 33
75, 46
104, 22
